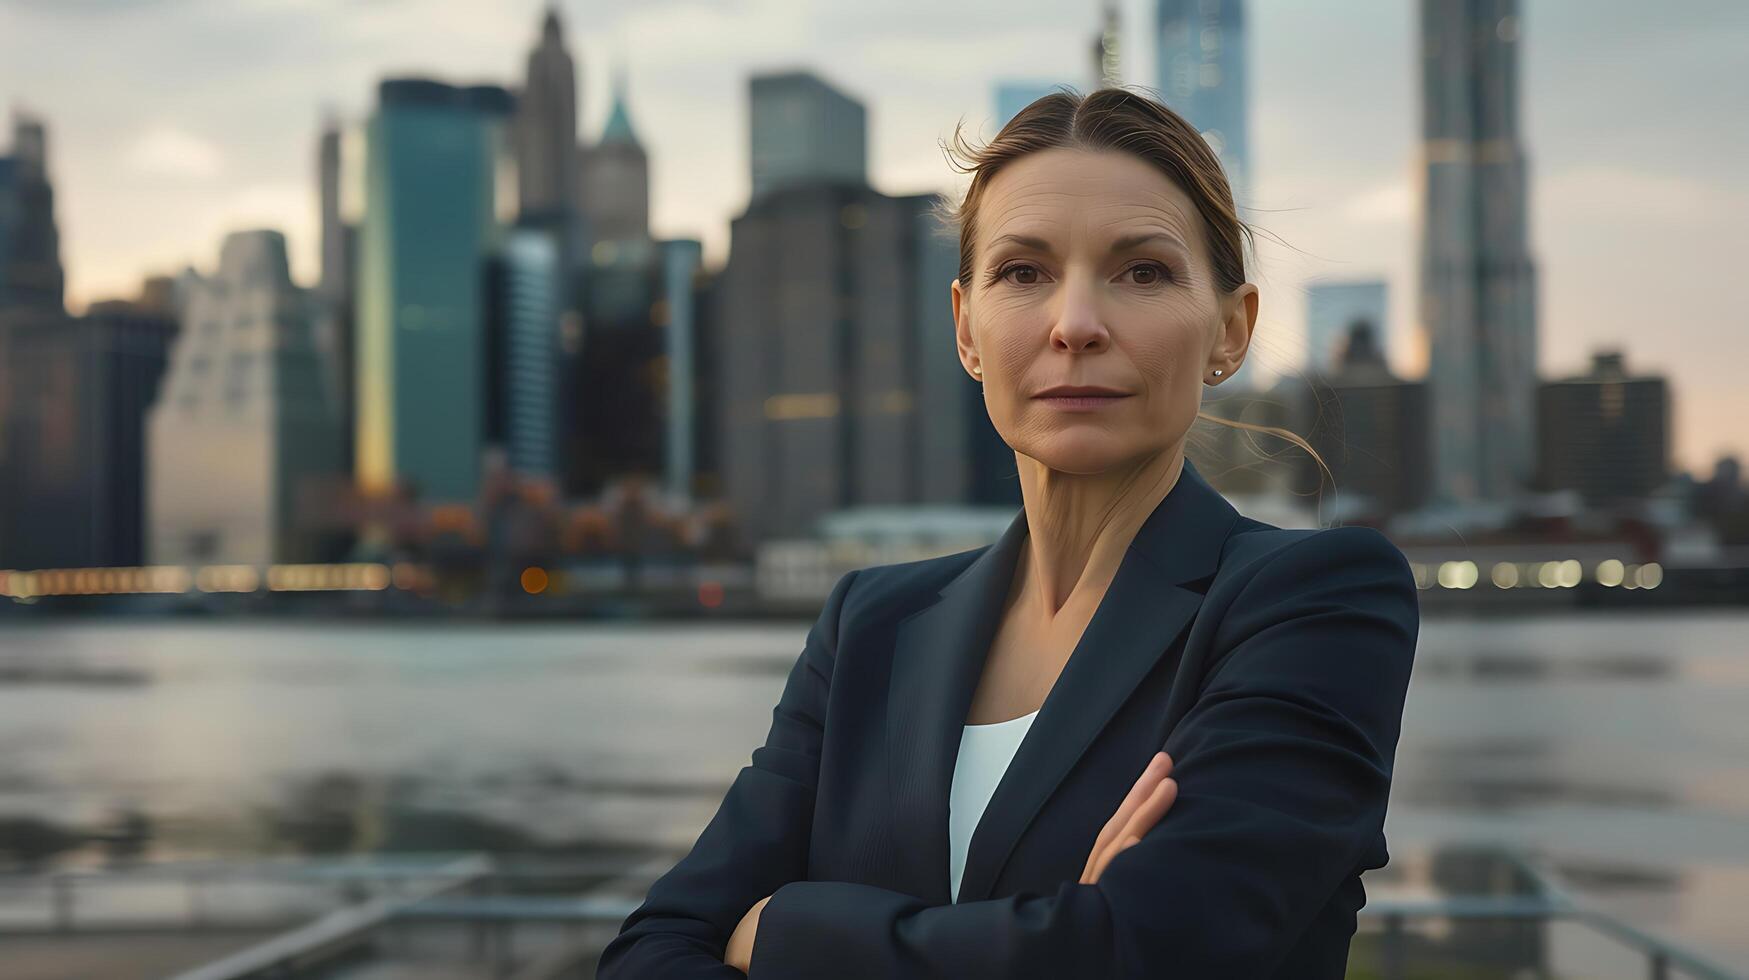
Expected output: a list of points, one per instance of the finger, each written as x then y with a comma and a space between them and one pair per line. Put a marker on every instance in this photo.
1158, 767
1140, 823
1150, 812
1142, 786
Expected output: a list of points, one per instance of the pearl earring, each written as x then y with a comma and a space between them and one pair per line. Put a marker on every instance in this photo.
978, 371
1217, 372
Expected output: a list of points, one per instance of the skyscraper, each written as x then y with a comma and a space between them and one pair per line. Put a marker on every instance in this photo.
616, 180
245, 424
71, 473
546, 145
432, 156
30, 244
804, 131
1605, 433
1108, 48
524, 365
1200, 65
1332, 309
334, 295
682, 264
1477, 291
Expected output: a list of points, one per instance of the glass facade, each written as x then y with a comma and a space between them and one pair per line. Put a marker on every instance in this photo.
431, 162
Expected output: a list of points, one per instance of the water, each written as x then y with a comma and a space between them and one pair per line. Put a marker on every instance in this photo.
1616, 744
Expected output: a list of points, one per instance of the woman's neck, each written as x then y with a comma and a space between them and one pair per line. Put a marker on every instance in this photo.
1078, 529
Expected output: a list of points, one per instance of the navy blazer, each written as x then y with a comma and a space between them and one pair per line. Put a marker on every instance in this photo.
1271, 664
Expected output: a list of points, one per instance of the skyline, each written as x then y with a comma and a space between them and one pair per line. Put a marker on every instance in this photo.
150, 182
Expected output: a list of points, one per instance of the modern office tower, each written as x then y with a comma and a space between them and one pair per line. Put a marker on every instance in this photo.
1011, 97
616, 182
71, 473
335, 293
246, 430
804, 131
682, 272
1332, 310
1605, 433
429, 226
30, 245
612, 424
546, 147
1200, 66
522, 352
1477, 290
1371, 429
841, 385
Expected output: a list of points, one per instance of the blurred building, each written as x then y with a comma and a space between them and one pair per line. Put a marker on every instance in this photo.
616, 180
804, 131
1605, 433
335, 334
614, 400
246, 432
30, 244
1013, 96
841, 385
1201, 75
1370, 427
1107, 47
1477, 291
71, 482
546, 146
1332, 310
682, 282
430, 223
522, 352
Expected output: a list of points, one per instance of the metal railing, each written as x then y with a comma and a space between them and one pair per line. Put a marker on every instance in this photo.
380, 898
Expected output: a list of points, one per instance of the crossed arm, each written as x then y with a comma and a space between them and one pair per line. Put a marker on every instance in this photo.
1283, 769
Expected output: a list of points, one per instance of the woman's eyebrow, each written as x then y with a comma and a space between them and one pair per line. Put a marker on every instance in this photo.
1118, 245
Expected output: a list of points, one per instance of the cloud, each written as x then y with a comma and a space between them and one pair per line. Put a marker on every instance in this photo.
1390, 203
165, 151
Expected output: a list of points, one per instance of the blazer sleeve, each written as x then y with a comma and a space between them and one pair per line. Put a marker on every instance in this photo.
1283, 766
757, 841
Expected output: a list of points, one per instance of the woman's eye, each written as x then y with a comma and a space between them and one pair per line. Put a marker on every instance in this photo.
1012, 272
1152, 273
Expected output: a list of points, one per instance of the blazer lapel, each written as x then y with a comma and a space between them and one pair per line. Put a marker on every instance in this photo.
939, 657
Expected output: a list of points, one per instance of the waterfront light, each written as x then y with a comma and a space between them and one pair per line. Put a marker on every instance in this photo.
1457, 574
534, 580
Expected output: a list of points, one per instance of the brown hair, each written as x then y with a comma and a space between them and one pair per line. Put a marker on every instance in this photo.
1114, 119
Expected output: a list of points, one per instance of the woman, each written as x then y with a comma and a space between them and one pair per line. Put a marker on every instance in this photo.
963, 776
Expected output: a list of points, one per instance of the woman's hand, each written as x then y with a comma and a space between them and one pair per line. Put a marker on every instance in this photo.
1147, 802
740, 952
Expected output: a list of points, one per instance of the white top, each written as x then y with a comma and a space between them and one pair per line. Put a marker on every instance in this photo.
985, 751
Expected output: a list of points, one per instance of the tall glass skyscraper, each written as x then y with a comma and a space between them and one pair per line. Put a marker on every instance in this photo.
1478, 306
804, 131
1200, 61
432, 158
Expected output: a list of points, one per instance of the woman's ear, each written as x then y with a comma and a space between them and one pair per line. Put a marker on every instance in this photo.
1238, 321
962, 329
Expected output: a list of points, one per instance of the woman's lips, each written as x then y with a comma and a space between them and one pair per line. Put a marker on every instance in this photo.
1081, 403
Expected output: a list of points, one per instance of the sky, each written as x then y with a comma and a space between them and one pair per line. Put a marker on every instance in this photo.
172, 122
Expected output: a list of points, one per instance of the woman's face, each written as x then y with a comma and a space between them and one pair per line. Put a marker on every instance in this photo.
1090, 269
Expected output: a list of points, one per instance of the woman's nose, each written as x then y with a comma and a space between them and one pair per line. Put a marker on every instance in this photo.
1079, 323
